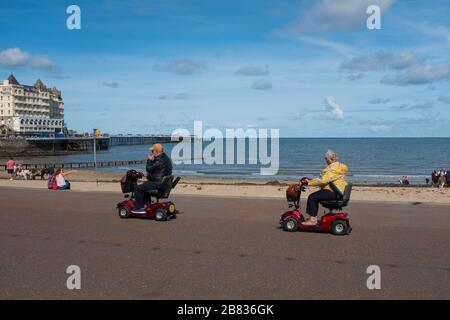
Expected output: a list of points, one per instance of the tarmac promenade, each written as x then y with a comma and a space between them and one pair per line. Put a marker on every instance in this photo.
217, 248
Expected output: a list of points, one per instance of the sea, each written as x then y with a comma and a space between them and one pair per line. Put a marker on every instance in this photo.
370, 160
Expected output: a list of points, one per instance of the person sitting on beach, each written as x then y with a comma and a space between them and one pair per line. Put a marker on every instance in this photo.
405, 180
158, 166
333, 173
10, 168
61, 182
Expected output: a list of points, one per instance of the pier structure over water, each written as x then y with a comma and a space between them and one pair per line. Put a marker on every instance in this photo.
83, 165
120, 140
60, 145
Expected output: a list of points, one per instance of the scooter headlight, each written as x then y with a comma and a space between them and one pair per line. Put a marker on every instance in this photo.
171, 208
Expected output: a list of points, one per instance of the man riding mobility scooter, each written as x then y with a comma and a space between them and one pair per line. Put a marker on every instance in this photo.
154, 209
335, 221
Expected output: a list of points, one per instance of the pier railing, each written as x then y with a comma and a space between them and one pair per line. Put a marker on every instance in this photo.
82, 165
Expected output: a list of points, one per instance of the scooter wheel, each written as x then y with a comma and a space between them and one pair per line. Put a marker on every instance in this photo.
123, 213
339, 227
160, 214
290, 225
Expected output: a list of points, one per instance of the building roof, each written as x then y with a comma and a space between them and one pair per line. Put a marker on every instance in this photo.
39, 84
12, 80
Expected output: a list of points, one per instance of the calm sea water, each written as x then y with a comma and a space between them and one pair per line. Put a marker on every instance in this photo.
370, 160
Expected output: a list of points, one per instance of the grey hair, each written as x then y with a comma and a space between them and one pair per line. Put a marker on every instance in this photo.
331, 156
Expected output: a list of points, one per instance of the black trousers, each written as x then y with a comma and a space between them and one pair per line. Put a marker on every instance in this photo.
139, 193
315, 198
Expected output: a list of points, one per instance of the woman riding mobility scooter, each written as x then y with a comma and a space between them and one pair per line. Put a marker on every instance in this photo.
154, 209
336, 222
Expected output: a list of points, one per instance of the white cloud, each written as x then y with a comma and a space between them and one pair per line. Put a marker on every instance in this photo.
436, 31
180, 66
16, 58
379, 127
178, 96
342, 49
380, 61
335, 110
407, 68
379, 101
422, 105
422, 73
445, 100
335, 16
355, 76
262, 85
252, 71
112, 85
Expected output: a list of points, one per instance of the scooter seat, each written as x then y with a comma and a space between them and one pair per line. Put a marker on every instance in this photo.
153, 192
342, 198
333, 204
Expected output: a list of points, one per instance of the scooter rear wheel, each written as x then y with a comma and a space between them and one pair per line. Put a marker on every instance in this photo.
339, 227
160, 214
290, 225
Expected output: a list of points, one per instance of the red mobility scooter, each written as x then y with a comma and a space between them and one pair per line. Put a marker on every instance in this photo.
155, 209
335, 220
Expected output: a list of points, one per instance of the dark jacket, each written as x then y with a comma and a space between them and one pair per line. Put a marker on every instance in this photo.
159, 167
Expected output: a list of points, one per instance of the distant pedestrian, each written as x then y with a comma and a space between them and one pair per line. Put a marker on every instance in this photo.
10, 168
427, 181
434, 179
447, 177
442, 175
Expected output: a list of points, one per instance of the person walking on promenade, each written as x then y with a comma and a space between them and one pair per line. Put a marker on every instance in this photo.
10, 168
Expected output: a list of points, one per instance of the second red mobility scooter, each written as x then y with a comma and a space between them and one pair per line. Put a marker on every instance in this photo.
154, 208
335, 221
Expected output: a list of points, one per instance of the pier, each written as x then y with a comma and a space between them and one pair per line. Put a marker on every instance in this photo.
81, 165
120, 140
60, 145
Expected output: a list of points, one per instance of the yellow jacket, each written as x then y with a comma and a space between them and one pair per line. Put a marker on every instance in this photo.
334, 172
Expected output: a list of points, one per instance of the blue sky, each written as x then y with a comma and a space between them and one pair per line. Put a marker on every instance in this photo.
309, 68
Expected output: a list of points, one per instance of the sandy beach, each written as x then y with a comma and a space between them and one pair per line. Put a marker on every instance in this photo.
89, 180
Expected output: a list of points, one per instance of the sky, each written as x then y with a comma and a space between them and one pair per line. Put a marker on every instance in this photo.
309, 68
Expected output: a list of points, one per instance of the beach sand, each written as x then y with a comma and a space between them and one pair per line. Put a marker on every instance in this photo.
89, 180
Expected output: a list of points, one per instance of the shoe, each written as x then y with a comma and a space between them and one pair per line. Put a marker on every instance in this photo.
311, 222
139, 211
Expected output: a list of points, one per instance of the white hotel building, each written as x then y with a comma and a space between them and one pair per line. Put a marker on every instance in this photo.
30, 109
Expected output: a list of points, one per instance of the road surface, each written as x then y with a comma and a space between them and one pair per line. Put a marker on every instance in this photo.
218, 248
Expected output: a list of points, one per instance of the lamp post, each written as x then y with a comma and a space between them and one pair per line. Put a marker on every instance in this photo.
96, 132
